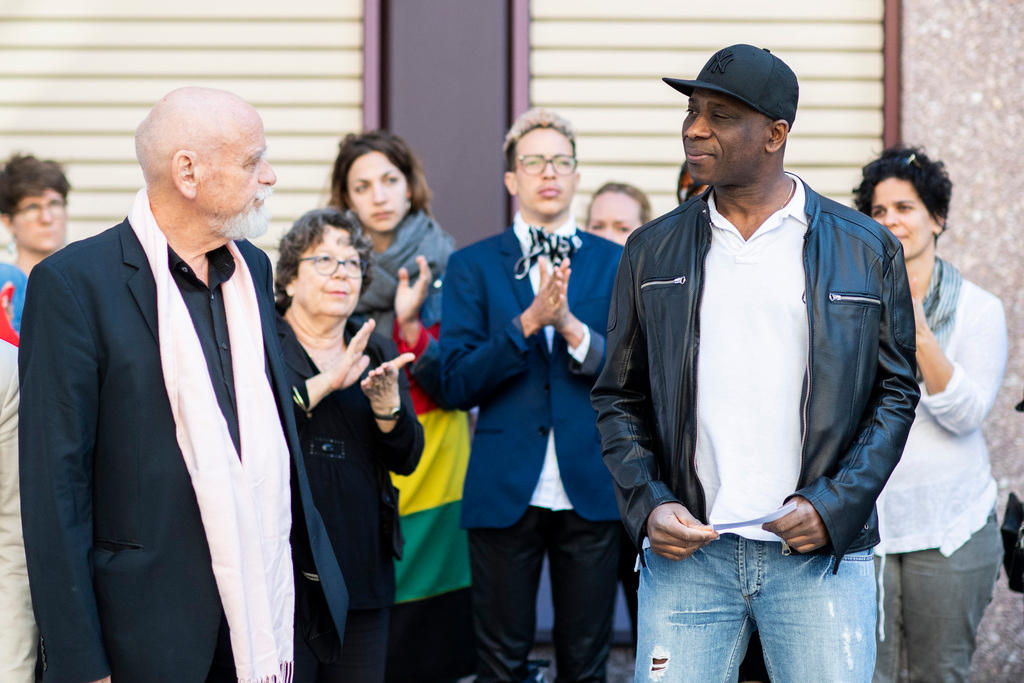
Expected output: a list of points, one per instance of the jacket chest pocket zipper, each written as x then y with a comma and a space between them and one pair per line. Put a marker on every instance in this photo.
681, 280
838, 298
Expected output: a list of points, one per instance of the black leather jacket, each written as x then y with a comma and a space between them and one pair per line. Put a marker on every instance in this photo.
859, 392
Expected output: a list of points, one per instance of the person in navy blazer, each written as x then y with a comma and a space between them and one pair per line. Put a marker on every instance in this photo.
525, 314
118, 560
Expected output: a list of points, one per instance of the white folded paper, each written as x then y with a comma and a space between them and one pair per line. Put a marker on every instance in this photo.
771, 517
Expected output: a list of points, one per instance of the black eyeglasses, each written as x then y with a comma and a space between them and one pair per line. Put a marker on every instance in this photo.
534, 164
328, 265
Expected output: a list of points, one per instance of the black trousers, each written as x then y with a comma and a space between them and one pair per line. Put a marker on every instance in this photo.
363, 654
506, 564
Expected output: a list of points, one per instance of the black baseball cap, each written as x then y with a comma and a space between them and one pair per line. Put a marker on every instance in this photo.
752, 75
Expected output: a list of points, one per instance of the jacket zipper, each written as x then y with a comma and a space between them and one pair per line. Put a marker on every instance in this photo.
835, 297
807, 393
681, 280
706, 247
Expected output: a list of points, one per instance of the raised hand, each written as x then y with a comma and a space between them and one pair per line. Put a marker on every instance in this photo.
341, 372
409, 299
933, 365
351, 364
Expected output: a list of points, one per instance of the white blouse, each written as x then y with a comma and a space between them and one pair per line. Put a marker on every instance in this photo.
942, 491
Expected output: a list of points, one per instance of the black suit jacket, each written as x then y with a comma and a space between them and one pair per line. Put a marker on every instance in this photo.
119, 565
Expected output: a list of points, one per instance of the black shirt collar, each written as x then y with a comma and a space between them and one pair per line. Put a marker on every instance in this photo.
222, 266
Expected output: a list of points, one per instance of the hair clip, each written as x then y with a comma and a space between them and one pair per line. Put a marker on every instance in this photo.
912, 159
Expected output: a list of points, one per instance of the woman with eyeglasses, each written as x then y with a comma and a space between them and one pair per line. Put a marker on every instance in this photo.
33, 208
940, 550
356, 423
379, 179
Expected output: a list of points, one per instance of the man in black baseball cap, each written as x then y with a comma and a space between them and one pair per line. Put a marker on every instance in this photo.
753, 76
757, 392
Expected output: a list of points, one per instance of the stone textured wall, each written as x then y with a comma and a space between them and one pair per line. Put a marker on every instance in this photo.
963, 99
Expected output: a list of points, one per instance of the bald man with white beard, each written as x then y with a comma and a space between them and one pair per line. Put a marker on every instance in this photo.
159, 462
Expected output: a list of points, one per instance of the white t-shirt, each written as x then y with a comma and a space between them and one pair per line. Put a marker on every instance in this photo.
751, 366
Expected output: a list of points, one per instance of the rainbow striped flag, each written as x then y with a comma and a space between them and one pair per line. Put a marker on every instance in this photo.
431, 618
436, 557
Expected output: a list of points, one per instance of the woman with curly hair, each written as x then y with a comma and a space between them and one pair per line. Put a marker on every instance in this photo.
355, 424
940, 550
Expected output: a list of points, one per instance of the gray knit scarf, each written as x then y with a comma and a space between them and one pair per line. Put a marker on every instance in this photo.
416, 234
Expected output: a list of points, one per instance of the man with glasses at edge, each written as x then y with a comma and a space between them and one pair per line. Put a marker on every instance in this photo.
33, 208
524, 317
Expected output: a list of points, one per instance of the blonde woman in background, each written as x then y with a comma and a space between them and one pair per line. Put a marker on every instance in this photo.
616, 210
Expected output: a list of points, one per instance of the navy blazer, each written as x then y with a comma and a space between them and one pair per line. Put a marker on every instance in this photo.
523, 389
119, 566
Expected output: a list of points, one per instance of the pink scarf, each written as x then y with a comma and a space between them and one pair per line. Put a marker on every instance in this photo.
245, 504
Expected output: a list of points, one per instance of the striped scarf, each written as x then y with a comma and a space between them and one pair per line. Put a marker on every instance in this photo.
940, 301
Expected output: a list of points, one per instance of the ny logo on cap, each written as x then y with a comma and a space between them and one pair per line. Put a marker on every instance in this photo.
719, 61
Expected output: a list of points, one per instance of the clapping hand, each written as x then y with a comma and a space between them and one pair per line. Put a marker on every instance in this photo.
551, 304
352, 362
381, 384
409, 299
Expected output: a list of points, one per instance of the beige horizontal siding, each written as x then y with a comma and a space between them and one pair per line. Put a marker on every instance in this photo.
638, 62
192, 31
76, 78
342, 90
658, 10
655, 34
178, 63
180, 10
600, 64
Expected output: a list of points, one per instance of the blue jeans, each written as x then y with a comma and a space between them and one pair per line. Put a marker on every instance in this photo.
697, 614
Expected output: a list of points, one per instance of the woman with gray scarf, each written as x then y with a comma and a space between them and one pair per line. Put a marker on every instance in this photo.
380, 180
940, 550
